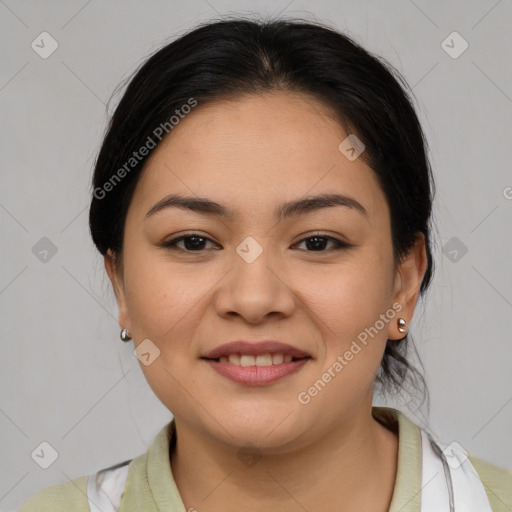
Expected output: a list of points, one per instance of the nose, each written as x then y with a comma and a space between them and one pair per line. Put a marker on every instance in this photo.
255, 290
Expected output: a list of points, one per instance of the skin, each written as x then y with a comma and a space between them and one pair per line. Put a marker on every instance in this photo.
251, 155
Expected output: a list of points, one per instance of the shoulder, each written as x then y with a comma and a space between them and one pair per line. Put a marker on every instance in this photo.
497, 482
66, 497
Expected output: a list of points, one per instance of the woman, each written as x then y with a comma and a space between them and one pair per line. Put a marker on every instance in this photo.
262, 200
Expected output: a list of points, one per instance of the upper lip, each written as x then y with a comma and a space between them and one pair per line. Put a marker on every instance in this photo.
255, 349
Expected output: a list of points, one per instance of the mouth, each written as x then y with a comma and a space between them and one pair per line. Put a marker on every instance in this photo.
256, 364
261, 360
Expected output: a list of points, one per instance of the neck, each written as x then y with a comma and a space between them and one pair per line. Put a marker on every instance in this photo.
351, 467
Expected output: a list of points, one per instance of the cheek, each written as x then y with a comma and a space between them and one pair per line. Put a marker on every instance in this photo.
348, 303
351, 295
161, 297
166, 304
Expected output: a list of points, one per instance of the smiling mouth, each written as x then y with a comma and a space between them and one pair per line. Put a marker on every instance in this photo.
246, 360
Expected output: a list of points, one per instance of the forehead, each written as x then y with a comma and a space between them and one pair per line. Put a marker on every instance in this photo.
256, 150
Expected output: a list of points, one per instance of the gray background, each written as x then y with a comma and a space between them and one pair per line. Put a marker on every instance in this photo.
67, 379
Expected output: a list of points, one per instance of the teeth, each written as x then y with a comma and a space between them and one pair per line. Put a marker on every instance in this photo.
247, 360
234, 359
261, 360
264, 360
277, 358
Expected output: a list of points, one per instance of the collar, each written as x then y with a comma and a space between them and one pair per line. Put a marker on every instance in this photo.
151, 487
407, 490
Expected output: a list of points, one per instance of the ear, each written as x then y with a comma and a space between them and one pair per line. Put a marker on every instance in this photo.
408, 280
115, 275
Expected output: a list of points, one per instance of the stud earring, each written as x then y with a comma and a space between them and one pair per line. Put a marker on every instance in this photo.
125, 335
401, 325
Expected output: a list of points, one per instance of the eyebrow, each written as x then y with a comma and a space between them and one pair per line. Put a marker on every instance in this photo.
293, 208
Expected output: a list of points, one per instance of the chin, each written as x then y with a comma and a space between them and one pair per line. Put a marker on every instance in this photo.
268, 425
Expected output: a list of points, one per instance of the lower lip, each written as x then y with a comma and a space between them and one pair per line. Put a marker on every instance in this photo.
257, 375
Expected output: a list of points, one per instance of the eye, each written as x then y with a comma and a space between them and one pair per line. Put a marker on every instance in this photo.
193, 242
317, 243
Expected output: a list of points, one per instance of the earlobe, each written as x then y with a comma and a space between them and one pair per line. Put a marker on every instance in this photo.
112, 268
408, 280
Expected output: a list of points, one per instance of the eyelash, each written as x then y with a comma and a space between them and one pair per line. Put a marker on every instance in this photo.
172, 244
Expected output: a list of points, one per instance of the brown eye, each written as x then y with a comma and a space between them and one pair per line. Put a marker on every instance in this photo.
191, 243
317, 243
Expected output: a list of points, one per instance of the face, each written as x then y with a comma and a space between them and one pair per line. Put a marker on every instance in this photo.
316, 278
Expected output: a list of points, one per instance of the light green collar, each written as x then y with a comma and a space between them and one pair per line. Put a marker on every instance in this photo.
151, 487
407, 490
